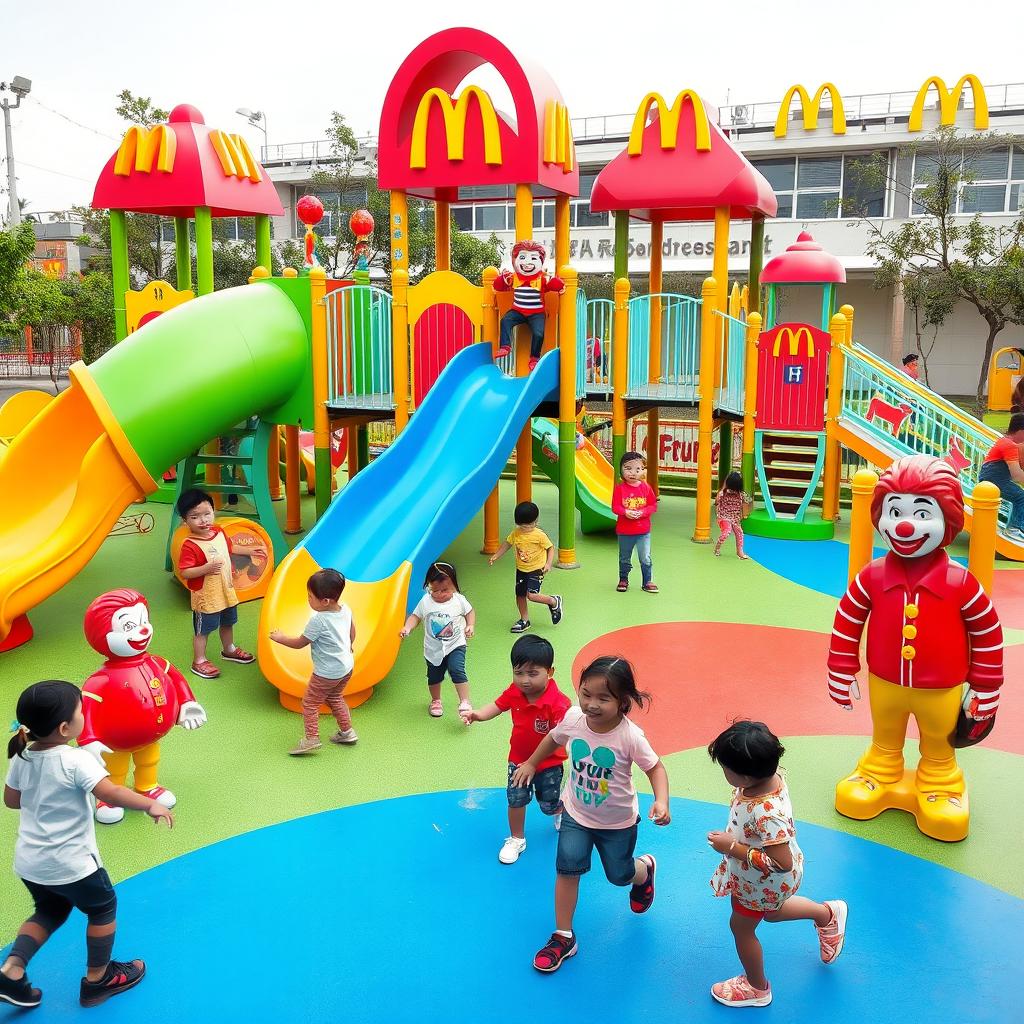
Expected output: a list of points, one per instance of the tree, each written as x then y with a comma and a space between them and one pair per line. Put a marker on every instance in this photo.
940, 257
139, 109
16, 248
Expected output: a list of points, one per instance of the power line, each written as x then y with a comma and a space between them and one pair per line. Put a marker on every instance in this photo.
71, 120
49, 170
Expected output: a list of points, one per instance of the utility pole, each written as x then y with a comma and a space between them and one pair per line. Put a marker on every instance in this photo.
20, 87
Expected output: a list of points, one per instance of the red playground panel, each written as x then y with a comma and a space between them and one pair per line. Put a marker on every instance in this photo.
792, 369
440, 332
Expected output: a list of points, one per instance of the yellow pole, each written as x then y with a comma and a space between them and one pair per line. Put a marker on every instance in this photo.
442, 235
981, 556
655, 285
524, 446
708, 332
750, 401
321, 384
847, 311
620, 359
861, 529
720, 272
561, 230
400, 307
491, 505
834, 405
274, 464
292, 511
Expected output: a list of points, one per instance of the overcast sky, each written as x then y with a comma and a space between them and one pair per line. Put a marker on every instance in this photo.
219, 56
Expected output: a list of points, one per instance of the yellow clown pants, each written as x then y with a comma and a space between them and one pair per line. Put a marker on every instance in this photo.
146, 761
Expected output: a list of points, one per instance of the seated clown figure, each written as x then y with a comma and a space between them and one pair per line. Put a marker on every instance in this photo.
528, 284
931, 628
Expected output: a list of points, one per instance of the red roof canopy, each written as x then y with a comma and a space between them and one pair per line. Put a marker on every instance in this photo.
681, 167
430, 143
171, 169
804, 262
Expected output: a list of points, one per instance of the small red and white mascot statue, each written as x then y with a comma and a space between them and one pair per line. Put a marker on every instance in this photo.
134, 700
528, 284
931, 628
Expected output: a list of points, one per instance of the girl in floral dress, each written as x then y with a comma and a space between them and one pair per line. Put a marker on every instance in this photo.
762, 866
732, 506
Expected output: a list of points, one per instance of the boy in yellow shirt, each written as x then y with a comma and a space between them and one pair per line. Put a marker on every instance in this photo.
535, 554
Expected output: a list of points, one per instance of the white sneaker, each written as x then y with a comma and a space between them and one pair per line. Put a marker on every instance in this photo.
1015, 534
511, 849
106, 814
465, 705
345, 738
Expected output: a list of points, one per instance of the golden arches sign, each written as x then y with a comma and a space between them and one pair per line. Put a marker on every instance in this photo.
559, 146
455, 112
810, 108
949, 100
668, 120
142, 147
235, 156
794, 338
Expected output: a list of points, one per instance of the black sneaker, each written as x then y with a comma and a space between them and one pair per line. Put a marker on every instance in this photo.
556, 609
642, 896
521, 626
19, 993
118, 978
559, 948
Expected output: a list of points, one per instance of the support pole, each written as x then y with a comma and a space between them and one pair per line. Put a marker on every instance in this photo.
183, 255
119, 276
490, 318
708, 333
274, 465
442, 235
353, 453
620, 360
834, 405
321, 385
264, 256
756, 264
847, 310
654, 288
861, 528
363, 444
750, 399
292, 509
399, 309
567, 420
981, 556
561, 231
720, 272
204, 251
524, 446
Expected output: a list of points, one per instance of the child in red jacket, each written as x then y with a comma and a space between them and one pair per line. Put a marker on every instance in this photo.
634, 502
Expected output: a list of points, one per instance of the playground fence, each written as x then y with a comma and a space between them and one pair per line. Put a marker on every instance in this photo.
679, 341
596, 354
45, 350
733, 364
359, 347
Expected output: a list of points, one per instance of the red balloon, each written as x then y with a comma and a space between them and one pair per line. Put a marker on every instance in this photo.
310, 210
361, 223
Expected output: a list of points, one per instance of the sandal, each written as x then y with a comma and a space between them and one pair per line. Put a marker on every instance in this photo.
204, 669
623, 586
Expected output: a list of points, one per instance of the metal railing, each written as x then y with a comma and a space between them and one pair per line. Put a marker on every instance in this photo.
359, 347
594, 354
679, 340
732, 368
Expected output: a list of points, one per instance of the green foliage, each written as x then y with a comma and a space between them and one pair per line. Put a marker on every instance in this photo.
470, 255
16, 248
95, 311
139, 109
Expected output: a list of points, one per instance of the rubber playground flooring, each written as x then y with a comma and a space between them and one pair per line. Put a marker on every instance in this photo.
415, 812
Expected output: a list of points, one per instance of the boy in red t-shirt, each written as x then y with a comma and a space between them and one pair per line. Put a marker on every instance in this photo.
634, 502
537, 706
1002, 468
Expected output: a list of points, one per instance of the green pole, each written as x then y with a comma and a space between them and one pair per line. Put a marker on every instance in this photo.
204, 250
753, 306
182, 254
263, 253
119, 271
621, 270
566, 485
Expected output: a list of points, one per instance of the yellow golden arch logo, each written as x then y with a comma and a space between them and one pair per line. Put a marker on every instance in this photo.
559, 147
794, 338
455, 111
142, 147
235, 156
810, 107
949, 100
668, 120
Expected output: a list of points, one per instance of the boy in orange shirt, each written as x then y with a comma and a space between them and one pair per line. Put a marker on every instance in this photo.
1002, 468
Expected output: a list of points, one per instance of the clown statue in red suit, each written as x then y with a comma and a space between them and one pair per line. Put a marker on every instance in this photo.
134, 700
931, 629
528, 284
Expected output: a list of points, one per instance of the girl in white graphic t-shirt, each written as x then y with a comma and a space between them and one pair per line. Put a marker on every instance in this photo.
599, 798
448, 622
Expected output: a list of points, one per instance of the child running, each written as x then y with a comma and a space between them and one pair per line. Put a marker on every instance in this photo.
732, 504
448, 622
537, 706
600, 800
762, 866
634, 502
535, 554
205, 565
331, 635
56, 855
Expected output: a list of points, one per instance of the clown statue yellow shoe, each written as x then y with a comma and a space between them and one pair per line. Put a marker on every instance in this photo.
930, 627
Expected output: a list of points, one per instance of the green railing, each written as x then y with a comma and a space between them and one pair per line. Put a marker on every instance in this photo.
359, 347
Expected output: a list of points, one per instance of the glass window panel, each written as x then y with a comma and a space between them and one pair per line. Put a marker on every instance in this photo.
463, 217
983, 199
586, 219
863, 195
490, 218
987, 166
780, 173
1017, 170
926, 167
785, 205
1016, 198
819, 172
816, 205
485, 191
587, 183
167, 231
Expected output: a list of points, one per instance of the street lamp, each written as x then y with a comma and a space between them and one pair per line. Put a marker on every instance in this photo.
258, 119
21, 87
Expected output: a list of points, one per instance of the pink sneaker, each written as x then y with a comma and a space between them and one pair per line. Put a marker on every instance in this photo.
739, 992
502, 352
436, 709
833, 935
533, 363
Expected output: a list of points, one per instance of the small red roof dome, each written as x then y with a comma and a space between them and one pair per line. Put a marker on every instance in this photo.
185, 112
804, 262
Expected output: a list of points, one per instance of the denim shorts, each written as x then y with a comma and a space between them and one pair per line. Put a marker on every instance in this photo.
546, 785
528, 582
205, 623
615, 847
454, 663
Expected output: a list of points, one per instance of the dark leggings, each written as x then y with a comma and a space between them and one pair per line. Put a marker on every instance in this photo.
93, 895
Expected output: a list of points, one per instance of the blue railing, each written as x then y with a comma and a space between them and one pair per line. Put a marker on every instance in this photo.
732, 368
679, 340
359, 347
594, 351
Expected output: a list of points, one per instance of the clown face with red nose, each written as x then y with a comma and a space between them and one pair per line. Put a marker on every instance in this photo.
931, 629
133, 700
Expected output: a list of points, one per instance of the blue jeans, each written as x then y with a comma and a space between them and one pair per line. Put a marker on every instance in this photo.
642, 543
513, 319
615, 847
998, 473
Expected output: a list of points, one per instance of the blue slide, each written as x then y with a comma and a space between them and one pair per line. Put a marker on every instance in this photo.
400, 513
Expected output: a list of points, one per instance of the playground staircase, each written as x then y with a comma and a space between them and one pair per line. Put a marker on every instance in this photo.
790, 466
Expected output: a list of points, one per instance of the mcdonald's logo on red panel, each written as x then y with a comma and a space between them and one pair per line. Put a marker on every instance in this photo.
792, 368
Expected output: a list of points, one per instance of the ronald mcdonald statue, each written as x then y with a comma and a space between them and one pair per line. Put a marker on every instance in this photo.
931, 629
133, 700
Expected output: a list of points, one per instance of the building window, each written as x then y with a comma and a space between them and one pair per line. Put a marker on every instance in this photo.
995, 181
817, 187
463, 217
490, 218
543, 214
583, 218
